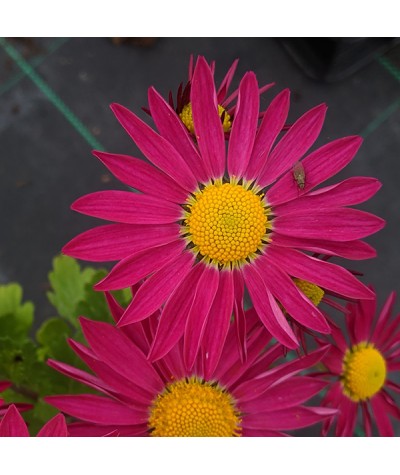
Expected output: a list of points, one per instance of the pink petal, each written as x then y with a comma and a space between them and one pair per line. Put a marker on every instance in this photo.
324, 274
4, 385
261, 433
238, 312
132, 269
127, 207
352, 191
207, 123
287, 419
289, 393
319, 166
116, 350
293, 145
383, 318
244, 126
355, 250
55, 427
113, 242
86, 429
157, 288
298, 306
226, 82
142, 176
172, 128
363, 322
97, 409
196, 321
269, 312
12, 424
337, 224
218, 323
173, 318
347, 417
79, 375
157, 149
271, 125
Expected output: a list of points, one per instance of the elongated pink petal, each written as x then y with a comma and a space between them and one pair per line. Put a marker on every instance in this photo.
157, 149
114, 348
127, 207
352, 191
218, 323
97, 409
318, 166
173, 318
12, 424
289, 393
172, 128
196, 321
347, 416
132, 269
207, 123
113, 242
115, 384
355, 250
363, 322
238, 312
383, 318
287, 419
333, 360
244, 126
226, 82
293, 145
262, 433
86, 429
254, 388
337, 224
325, 274
142, 176
79, 375
271, 125
55, 427
298, 306
269, 312
157, 288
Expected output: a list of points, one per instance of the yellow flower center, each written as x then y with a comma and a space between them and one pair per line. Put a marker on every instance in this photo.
312, 291
187, 118
194, 408
226, 223
364, 371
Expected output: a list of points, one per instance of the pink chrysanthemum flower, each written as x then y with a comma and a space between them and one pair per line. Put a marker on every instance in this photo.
164, 399
13, 425
226, 103
205, 226
360, 369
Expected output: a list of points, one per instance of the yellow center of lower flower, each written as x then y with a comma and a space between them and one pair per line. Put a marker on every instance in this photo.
187, 118
194, 408
364, 371
312, 291
226, 223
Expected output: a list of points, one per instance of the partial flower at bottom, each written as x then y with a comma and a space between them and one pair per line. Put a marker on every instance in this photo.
359, 367
163, 399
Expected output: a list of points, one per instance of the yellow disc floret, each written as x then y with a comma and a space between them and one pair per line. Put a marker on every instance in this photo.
226, 223
364, 371
187, 118
312, 291
192, 407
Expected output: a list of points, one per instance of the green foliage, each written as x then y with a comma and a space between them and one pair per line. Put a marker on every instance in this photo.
23, 357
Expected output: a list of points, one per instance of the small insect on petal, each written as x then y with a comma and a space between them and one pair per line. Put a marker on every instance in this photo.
299, 175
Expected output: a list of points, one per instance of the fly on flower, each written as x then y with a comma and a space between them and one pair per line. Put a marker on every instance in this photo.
211, 221
299, 175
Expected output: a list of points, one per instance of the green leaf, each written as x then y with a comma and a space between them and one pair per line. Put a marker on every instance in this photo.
16, 318
52, 336
68, 284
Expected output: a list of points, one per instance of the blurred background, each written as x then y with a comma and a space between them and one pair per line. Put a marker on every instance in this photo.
54, 109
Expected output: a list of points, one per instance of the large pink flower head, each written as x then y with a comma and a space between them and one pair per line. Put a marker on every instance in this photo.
359, 367
165, 399
210, 222
13, 425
